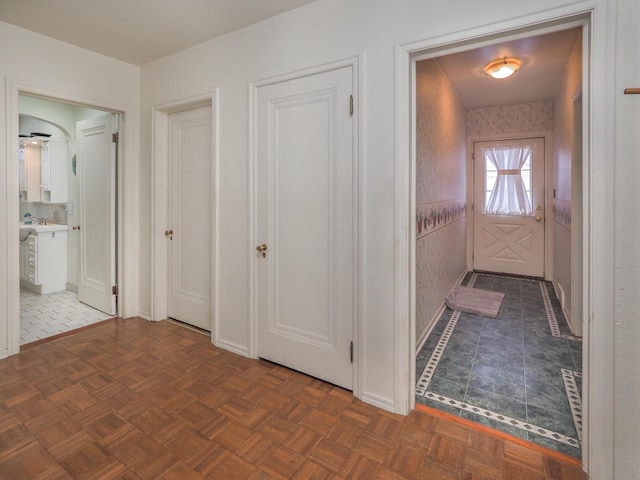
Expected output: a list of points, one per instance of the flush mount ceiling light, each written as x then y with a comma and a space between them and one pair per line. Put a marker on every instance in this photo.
503, 67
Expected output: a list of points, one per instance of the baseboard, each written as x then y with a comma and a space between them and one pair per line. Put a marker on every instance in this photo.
232, 347
378, 401
430, 325
72, 287
433, 320
561, 296
4, 353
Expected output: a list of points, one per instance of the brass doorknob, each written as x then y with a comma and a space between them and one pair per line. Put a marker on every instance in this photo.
538, 218
262, 249
168, 232
76, 227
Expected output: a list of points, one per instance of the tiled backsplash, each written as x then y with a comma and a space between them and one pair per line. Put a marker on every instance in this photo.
52, 212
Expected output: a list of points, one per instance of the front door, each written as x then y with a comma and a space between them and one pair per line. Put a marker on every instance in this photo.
190, 217
306, 223
96, 170
509, 206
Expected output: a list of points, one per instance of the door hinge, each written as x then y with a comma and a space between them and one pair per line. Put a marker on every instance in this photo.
115, 137
115, 290
351, 352
350, 104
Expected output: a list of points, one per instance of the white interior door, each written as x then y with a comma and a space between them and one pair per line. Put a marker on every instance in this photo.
306, 224
190, 217
96, 170
509, 242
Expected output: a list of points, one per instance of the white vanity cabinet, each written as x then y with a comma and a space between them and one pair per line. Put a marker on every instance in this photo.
43, 259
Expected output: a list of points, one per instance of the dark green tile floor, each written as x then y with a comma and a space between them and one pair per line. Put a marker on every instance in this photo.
507, 372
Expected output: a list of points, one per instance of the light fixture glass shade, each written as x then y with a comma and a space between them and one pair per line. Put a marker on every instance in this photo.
503, 67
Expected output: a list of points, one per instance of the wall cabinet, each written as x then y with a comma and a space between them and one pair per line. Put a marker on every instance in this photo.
43, 171
43, 260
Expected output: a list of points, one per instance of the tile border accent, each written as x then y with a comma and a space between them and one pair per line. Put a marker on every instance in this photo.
467, 407
429, 369
575, 400
434, 360
551, 316
568, 377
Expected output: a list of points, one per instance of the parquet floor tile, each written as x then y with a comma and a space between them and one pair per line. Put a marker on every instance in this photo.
131, 399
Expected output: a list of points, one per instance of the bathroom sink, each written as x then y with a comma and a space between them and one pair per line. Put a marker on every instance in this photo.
25, 230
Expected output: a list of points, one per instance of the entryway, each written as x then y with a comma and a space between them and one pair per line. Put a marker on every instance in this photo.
509, 206
67, 208
485, 172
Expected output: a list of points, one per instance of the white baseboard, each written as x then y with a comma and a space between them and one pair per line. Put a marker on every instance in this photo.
232, 347
561, 296
378, 401
4, 353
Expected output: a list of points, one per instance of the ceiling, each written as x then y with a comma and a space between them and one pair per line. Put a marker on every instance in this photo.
139, 31
544, 58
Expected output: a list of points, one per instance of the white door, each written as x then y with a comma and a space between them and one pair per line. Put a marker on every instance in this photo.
190, 217
306, 275
508, 239
96, 171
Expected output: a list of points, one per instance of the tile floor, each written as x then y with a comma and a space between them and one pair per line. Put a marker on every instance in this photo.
520, 373
42, 316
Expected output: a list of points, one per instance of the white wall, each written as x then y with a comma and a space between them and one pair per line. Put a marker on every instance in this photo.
37, 64
626, 399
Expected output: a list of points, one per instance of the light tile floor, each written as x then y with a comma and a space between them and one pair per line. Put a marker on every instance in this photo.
42, 316
520, 373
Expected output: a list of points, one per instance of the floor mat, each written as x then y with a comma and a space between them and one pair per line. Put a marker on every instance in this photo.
485, 303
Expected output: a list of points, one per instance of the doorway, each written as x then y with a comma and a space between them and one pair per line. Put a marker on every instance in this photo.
189, 212
507, 249
184, 235
509, 206
68, 219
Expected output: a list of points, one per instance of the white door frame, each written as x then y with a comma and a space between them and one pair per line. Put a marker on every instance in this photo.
548, 191
597, 17
126, 195
159, 196
354, 63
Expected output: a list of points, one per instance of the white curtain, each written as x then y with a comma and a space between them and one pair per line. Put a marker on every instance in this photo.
509, 194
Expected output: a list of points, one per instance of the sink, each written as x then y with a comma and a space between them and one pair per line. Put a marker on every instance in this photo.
25, 230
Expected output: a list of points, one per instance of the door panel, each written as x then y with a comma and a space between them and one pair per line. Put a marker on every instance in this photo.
510, 243
96, 170
306, 220
189, 217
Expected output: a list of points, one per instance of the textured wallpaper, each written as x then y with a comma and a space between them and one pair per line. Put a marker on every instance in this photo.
440, 191
562, 151
523, 117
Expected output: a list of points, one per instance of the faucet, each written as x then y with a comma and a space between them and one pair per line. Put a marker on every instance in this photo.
41, 220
